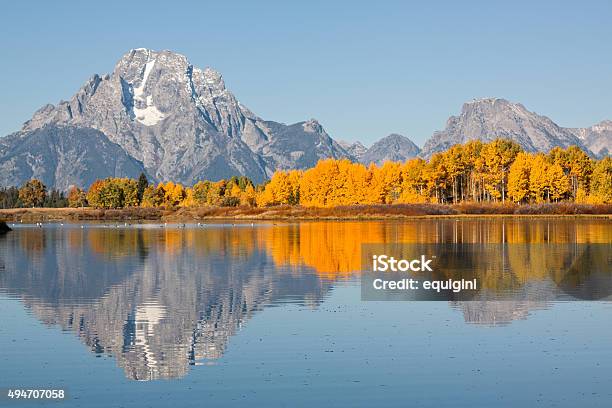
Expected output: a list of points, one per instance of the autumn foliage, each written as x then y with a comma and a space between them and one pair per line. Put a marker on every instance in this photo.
33, 193
475, 173
478, 172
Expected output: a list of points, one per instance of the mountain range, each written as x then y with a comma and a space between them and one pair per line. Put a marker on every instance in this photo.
156, 113
491, 118
394, 147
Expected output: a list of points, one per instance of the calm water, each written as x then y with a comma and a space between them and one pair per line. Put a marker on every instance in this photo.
271, 315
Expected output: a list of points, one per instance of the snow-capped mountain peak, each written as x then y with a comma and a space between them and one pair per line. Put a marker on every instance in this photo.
182, 123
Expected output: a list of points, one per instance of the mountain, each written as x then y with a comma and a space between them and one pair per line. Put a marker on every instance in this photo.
598, 138
297, 146
179, 121
355, 149
491, 118
159, 114
390, 148
63, 156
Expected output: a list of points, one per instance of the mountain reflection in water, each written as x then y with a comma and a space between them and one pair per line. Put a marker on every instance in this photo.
161, 299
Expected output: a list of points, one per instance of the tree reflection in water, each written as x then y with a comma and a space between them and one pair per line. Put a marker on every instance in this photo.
161, 299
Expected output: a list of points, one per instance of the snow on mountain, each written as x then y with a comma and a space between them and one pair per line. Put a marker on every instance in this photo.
183, 124
355, 149
598, 138
158, 113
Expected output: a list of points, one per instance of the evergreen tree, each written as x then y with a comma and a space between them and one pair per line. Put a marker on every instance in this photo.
9, 197
142, 185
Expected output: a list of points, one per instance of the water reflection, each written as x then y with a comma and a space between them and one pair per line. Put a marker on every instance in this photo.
161, 299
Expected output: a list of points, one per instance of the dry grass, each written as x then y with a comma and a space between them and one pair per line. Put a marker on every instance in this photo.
486, 208
565, 209
79, 214
298, 212
533, 209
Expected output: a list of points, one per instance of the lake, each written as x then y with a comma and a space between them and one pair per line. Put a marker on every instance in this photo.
271, 314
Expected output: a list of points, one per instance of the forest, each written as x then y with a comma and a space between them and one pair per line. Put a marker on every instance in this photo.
475, 172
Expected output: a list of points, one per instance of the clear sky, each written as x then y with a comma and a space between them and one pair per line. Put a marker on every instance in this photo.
364, 70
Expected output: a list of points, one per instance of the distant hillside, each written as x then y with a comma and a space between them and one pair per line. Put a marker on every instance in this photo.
390, 148
492, 118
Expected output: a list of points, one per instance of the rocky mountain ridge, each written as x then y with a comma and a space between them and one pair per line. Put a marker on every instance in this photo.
598, 138
158, 113
394, 147
180, 122
490, 118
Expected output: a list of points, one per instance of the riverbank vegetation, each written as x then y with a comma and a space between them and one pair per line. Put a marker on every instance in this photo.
33, 193
297, 212
495, 177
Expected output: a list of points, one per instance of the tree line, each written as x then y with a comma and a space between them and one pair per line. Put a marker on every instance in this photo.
497, 171
33, 193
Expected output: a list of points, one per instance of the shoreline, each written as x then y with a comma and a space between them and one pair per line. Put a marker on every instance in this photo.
297, 213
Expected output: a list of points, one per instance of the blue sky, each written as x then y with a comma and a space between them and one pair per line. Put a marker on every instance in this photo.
363, 69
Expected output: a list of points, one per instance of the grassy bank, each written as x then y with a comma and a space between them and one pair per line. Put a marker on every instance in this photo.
298, 212
81, 214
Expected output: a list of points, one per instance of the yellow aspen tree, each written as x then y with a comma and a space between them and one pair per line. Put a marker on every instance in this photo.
436, 178
283, 188
580, 170
474, 167
293, 179
356, 184
76, 197
558, 182
168, 191
601, 182
518, 178
413, 184
455, 168
318, 184
538, 179
498, 156
235, 191
33, 193
153, 196
216, 193
175, 193
391, 173
249, 196
329, 177
189, 200
341, 194
373, 195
